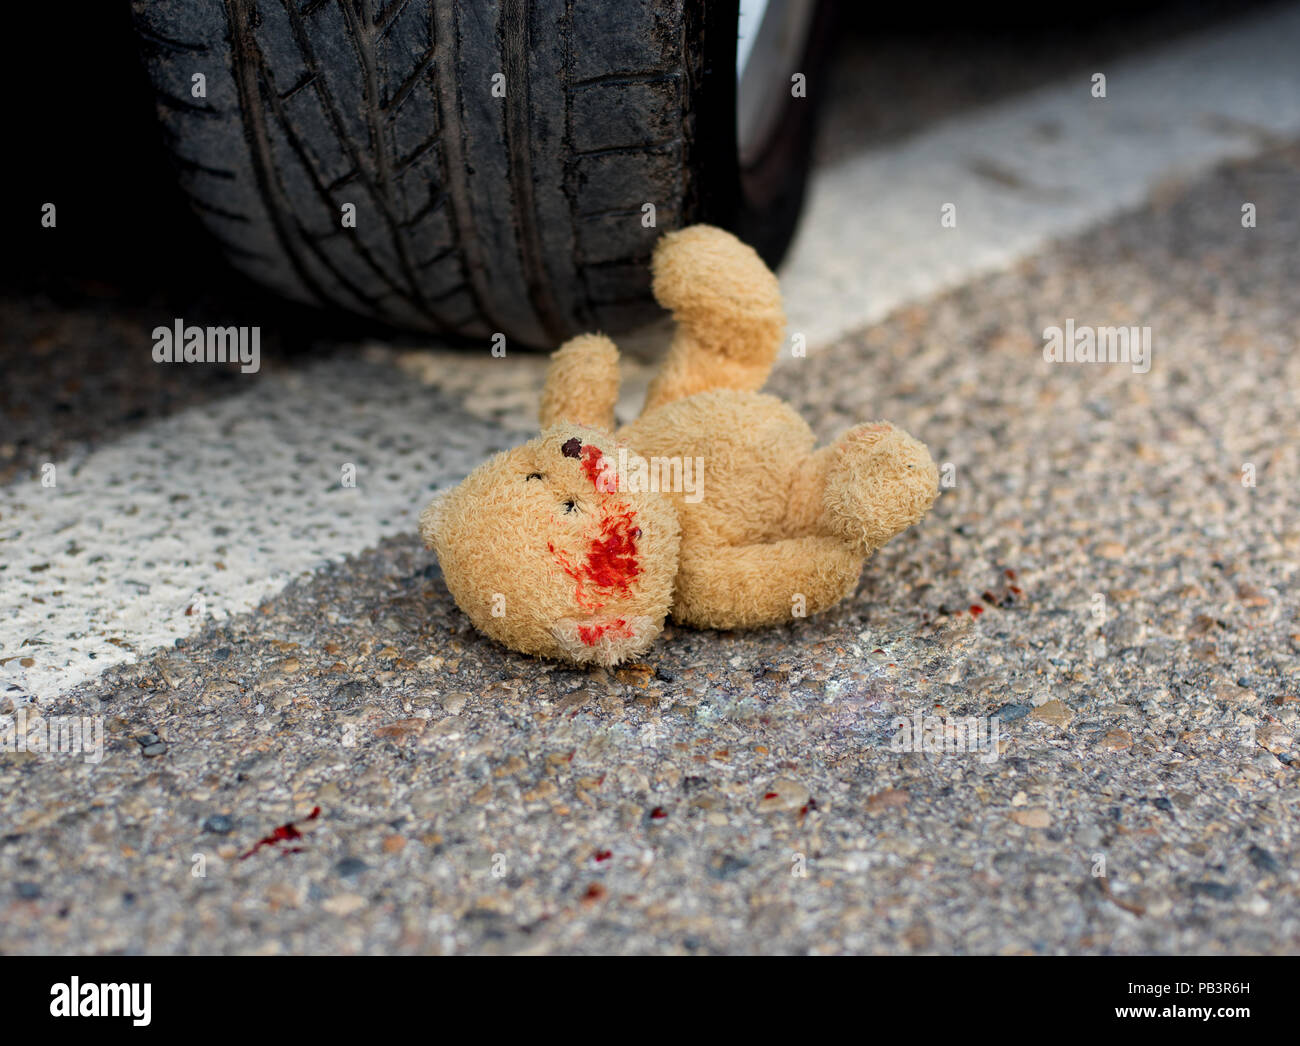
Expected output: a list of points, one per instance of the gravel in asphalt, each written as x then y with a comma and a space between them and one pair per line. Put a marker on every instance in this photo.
353, 769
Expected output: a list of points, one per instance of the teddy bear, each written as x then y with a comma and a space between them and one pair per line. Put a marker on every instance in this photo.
713, 506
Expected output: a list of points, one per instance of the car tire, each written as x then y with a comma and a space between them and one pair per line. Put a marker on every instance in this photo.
502, 167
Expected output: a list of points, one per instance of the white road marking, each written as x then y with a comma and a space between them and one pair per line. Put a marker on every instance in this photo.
1039, 166
215, 509
234, 499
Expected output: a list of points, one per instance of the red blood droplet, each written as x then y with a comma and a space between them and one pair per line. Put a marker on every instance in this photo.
976, 610
602, 855
658, 813
283, 833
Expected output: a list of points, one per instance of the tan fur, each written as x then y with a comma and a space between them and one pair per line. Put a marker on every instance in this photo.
577, 565
581, 383
727, 306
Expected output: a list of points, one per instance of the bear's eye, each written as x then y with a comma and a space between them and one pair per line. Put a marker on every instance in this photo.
533, 475
570, 505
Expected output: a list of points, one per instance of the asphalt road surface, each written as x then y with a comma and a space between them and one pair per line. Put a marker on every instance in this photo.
307, 748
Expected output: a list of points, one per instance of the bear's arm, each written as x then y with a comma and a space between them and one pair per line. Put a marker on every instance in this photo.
582, 383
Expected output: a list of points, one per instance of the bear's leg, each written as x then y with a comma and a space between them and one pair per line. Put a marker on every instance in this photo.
748, 586
727, 305
582, 383
875, 481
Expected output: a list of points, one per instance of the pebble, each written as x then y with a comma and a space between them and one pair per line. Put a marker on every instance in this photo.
344, 904
889, 799
402, 729
728, 866
783, 794
219, 824
284, 895
350, 867
1032, 817
1218, 891
1235, 694
575, 699
1054, 713
329, 793
1264, 860
347, 694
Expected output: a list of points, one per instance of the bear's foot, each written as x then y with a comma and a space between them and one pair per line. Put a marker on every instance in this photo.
880, 482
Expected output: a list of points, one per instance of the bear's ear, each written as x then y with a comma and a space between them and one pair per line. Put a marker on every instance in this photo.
433, 518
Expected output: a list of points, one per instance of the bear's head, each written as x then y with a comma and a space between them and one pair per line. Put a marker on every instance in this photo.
546, 549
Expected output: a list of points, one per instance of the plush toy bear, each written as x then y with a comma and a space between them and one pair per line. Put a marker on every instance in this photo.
713, 506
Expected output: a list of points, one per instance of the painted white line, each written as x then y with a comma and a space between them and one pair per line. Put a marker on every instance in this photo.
234, 499
1039, 166
215, 509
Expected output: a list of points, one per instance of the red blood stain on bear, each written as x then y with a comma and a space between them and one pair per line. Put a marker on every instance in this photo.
593, 464
610, 563
611, 556
592, 634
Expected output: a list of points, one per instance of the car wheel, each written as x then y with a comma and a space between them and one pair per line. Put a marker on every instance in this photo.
501, 167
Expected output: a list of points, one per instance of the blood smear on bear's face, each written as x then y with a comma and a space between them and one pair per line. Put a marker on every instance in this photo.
610, 563
602, 477
611, 556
